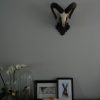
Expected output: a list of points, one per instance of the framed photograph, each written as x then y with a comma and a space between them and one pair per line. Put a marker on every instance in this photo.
45, 89
65, 88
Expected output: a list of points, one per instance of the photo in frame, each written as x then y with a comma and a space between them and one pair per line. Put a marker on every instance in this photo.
45, 89
65, 88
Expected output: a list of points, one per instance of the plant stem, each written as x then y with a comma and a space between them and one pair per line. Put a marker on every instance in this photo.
2, 80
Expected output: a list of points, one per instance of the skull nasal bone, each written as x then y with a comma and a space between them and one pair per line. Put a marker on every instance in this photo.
64, 18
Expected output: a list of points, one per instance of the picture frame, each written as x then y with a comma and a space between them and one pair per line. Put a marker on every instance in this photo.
45, 89
65, 88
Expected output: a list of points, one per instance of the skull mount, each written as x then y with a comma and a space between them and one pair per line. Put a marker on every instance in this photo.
65, 14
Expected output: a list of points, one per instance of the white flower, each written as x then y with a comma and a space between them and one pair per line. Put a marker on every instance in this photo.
19, 66
11, 69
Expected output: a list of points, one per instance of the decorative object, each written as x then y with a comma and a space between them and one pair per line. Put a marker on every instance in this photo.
11, 72
65, 88
45, 89
65, 14
17, 85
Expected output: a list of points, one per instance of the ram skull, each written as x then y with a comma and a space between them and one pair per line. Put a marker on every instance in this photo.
63, 17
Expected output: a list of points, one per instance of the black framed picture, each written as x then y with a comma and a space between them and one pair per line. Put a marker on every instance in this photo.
65, 88
45, 89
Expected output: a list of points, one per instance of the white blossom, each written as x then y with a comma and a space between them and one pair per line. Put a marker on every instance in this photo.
11, 69
11, 72
20, 66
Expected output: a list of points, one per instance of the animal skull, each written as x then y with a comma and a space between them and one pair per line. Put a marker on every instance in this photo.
65, 14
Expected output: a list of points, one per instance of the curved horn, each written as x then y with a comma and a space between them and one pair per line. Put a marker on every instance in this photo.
70, 9
57, 7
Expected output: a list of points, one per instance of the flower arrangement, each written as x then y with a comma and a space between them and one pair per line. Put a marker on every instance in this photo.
11, 72
9, 86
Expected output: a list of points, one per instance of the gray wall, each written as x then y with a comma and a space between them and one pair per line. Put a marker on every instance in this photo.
28, 35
